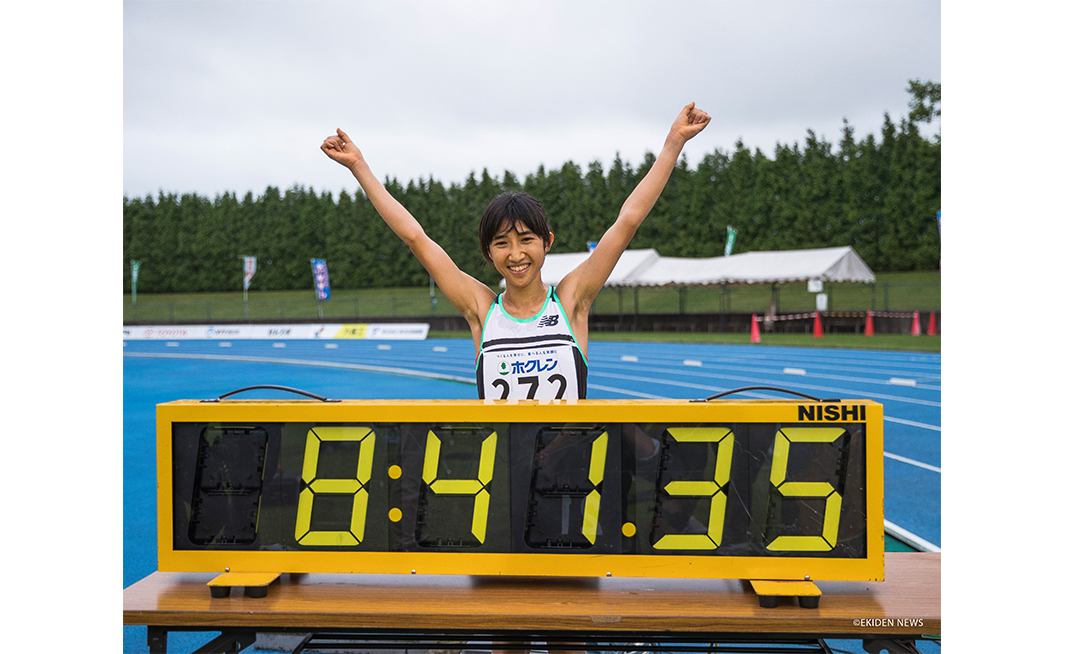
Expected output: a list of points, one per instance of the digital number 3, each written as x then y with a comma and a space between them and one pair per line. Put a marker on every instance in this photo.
712, 489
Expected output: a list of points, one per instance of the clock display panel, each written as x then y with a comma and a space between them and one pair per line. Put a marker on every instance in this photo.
709, 489
703, 489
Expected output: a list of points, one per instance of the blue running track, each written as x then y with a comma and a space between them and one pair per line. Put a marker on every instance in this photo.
906, 383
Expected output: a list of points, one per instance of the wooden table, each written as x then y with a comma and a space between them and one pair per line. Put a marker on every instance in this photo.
425, 608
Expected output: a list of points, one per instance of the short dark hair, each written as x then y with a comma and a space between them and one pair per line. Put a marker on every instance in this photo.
508, 208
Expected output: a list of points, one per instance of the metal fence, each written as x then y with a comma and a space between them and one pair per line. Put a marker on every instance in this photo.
275, 309
884, 296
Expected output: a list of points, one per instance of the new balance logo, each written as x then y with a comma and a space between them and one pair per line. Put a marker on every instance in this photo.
548, 321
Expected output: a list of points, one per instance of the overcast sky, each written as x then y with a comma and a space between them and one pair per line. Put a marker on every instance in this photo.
237, 96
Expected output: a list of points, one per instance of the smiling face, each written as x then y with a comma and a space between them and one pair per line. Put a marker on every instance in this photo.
518, 253
504, 211
515, 237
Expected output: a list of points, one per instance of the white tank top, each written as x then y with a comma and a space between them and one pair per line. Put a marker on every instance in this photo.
534, 358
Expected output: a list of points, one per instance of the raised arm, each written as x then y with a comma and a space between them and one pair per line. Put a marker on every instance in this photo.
468, 295
584, 283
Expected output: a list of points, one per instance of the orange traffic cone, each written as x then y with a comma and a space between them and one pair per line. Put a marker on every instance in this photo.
869, 323
932, 324
756, 337
916, 331
818, 332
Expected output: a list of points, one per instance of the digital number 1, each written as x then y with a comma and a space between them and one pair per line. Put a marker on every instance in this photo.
596, 468
563, 483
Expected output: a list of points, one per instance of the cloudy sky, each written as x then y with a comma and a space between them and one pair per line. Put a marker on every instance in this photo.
236, 95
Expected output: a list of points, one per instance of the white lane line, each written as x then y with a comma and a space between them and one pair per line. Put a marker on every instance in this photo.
898, 381
911, 423
438, 348
629, 357
829, 391
415, 363
331, 346
301, 362
693, 362
910, 538
794, 371
173, 344
835, 364
667, 382
279, 345
384, 347
664, 364
912, 462
625, 391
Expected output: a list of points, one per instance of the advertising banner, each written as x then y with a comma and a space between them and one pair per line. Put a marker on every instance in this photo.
314, 331
249, 271
135, 269
730, 241
321, 279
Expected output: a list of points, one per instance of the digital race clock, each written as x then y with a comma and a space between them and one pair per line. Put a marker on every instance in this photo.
744, 489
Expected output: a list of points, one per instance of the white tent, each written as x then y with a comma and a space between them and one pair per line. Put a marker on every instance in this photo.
647, 268
631, 265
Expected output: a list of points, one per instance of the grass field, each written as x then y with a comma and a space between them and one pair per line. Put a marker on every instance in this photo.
893, 292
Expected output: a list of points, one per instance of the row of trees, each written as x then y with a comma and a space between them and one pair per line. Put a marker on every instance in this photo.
879, 196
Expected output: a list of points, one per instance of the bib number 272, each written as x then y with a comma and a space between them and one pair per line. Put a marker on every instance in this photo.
533, 384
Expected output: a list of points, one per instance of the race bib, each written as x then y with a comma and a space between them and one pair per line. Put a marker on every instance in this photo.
542, 373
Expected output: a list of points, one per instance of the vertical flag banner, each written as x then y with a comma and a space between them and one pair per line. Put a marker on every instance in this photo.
939, 221
249, 271
321, 278
731, 240
135, 269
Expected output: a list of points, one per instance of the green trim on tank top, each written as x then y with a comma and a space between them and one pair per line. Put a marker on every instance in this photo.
499, 298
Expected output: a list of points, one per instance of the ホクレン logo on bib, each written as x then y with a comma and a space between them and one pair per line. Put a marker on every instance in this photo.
528, 367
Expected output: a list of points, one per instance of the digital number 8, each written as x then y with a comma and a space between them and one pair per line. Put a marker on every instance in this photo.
817, 489
356, 487
712, 489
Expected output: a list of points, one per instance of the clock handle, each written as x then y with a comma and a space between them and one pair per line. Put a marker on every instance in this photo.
766, 388
273, 388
